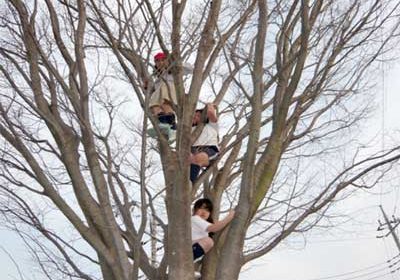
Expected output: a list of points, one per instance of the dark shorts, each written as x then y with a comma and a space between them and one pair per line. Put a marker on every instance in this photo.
197, 251
211, 151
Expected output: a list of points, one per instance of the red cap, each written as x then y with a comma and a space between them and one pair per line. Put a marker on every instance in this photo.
160, 56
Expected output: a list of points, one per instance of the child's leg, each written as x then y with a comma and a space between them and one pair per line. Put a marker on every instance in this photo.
163, 108
168, 110
201, 247
166, 107
200, 159
194, 171
206, 243
155, 110
167, 118
198, 251
168, 97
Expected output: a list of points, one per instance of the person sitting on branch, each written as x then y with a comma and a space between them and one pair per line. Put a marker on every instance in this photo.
163, 97
205, 147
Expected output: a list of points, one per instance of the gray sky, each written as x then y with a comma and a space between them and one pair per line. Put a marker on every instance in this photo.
354, 246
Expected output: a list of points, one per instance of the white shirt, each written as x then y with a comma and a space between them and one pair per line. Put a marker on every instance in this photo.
208, 136
169, 78
199, 228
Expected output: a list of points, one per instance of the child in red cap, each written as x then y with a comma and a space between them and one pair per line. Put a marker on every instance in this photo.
163, 98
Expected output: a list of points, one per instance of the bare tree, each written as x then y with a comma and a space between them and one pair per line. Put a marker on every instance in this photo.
292, 82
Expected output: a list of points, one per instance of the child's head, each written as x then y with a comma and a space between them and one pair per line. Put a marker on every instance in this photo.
159, 56
203, 207
161, 62
197, 118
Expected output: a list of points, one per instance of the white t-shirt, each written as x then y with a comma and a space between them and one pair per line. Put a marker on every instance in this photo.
199, 228
208, 136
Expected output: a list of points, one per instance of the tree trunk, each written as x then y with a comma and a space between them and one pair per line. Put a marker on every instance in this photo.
178, 249
231, 254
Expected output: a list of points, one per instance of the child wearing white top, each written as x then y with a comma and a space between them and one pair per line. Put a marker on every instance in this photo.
205, 147
202, 226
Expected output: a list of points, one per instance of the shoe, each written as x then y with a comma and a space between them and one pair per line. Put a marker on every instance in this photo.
197, 275
165, 130
171, 136
198, 259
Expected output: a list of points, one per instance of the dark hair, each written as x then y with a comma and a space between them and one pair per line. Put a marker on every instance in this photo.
204, 203
203, 119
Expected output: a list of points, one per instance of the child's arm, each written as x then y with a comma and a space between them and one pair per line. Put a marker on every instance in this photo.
211, 113
217, 226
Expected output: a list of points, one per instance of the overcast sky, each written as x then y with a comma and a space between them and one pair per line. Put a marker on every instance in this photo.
351, 252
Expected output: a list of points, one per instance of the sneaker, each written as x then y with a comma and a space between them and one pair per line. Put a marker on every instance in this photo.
171, 136
197, 275
165, 130
198, 259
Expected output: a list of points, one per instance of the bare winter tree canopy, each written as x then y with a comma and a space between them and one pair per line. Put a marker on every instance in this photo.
94, 197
